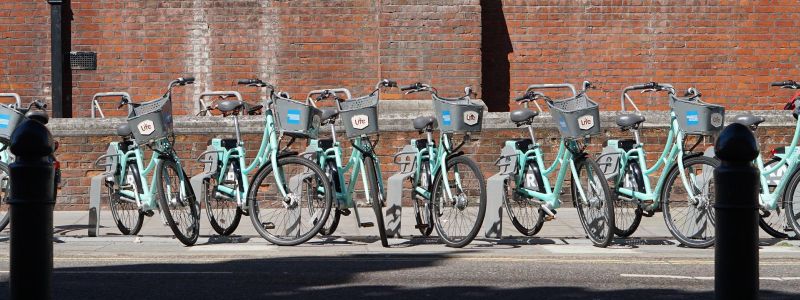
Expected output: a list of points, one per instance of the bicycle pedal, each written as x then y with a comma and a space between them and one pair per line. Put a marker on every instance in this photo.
345, 212
421, 226
548, 218
149, 213
268, 225
367, 224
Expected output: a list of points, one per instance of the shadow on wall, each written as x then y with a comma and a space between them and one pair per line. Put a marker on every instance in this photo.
495, 48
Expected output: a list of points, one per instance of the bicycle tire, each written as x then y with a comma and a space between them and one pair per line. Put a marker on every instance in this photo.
702, 235
792, 202
316, 216
601, 211
374, 192
179, 210
448, 237
128, 224
628, 213
332, 223
776, 224
5, 192
423, 210
219, 210
526, 214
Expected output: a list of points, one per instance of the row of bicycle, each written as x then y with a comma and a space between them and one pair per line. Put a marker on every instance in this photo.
291, 197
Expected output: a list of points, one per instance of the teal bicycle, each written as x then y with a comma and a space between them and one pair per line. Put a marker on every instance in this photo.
448, 188
530, 199
288, 197
360, 119
685, 188
780, 176
131, 197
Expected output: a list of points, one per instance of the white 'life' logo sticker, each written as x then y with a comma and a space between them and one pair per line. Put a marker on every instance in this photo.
360, 121
716, 119
471, 118
586, 122
146, 127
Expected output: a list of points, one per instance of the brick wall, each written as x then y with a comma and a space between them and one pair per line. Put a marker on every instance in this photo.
729, 49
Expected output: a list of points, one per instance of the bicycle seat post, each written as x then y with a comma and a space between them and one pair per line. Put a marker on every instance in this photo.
236, 126
530, 130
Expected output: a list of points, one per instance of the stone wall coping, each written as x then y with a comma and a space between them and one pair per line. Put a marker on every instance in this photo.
394, 116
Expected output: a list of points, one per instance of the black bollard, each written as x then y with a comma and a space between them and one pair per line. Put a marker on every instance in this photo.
736, 252
31, 210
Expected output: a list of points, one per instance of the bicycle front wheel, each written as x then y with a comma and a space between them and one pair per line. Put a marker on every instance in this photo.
792, 202
5, 192
177, 202
691, 219
459, 213
222, 210
295, 218
374, 195
595, 207
124, 210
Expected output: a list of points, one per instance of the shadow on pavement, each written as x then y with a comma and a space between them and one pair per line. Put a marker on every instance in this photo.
339, 277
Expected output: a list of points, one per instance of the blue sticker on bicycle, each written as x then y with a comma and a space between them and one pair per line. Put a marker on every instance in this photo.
563, 123
293, 116
446, 118
692, 118
4, 121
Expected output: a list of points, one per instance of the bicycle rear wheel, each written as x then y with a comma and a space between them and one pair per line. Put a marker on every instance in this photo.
177, 201
5, 192
223, 211
332, 173
525, 213
124, 210
296, 218
374, 195
627, 212
792, 202
423, 210
774, 222
597, 212
459, 218
691, 219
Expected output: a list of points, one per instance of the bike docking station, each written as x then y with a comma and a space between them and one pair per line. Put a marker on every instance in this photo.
496, 185
394, 188
109, 162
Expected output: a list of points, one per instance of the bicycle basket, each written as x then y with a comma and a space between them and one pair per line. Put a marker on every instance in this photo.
577, 117
360, 115
458, 115
696, 116
9, 119
296, 119
151, 121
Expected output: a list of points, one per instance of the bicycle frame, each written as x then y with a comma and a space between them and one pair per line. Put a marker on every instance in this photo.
145, 199
267, 152
345, 190
790, 160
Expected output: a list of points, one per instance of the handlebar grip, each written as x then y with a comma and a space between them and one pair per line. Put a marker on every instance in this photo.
782, 83
188, 80
408, 87
391, 83
520, 98
248, 81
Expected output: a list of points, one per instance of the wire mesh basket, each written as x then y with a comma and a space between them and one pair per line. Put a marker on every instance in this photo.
360, 115
295, 118
577, 117
697, 117
151, 121
9, 119
458, 115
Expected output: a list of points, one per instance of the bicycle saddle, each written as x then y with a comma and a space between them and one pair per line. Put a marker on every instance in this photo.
229, 105
329, 114
421, 123
628, 121
38, 115
124, 130
523, 115
748, 120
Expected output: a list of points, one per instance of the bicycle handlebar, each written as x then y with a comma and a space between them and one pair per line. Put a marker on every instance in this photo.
787, 83
413, 86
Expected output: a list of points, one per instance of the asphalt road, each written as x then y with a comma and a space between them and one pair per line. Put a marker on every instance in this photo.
116, 267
